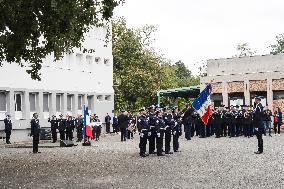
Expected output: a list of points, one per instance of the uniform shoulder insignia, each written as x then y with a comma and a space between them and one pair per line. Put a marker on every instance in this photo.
139, 120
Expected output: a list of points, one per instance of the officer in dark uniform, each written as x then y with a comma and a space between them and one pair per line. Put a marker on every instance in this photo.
169, 123
160, 128
152, 132
187, 121
69, 128
79, 128
35, 131
176, 129
53, 125
257, 123
8, 128
62, 127
143, 128
224, 123
217, 122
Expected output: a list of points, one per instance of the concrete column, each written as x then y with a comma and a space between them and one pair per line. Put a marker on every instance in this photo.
64, 104
85, 100
225, 93
75, 105
26, 105
39, 105
52, 104
11, 104
246, 92
269, 94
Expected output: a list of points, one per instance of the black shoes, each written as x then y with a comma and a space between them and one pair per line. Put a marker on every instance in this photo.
160, 154
36, 152
258, 152
169, 153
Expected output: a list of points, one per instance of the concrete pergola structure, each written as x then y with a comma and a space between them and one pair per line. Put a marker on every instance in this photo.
185, 92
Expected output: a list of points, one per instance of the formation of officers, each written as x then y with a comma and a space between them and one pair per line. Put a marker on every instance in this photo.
158, 125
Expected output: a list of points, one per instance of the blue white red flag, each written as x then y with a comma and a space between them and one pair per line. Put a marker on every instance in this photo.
202, 104
87, 130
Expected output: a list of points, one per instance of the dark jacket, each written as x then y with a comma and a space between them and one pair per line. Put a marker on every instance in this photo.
53, 123
62, 124
123, 121
258, 115
35, 127
107, 119
8, 125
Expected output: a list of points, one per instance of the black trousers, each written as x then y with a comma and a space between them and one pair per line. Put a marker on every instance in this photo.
217, 130
107, 127
175, 141
79, 135
143, 142
224, 130
35, 143
54, 135
62, 134
123, 133
8, 136
160, 138
168, 136
187, 131
69, 135
98, 133
276, 128
152, 141
258, 134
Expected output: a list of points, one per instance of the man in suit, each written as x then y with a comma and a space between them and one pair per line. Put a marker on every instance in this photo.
257, 123
8, 128
35, 131
107, 121
123, 120
54, 126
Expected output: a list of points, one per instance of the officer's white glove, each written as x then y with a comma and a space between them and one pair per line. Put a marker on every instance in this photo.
175, 132
176, 123
256, 129
141, 135
149, 133
159, 135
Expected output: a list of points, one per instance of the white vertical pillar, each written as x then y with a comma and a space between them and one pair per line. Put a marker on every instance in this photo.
246, 92
26, 105
11, 104
269, 94
225, 93
39, 105
64, 104
52, 103
75, 105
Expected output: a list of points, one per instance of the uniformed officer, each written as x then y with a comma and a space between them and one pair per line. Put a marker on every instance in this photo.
160, 128
143, 128
218, 122
79, 128
61, 127
69, 128
35, 132
187, 121
169, 122
54, 126
152, 132
8, 128
257, 123
176, 128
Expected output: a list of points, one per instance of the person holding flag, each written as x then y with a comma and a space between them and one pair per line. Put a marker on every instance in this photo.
87, 130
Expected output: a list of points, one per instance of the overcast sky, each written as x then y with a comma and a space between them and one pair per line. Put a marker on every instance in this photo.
197, 30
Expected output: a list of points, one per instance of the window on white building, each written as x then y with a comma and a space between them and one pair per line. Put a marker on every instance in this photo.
3, 106
18, 102
97, 60
46, 102
79, 59
58, 102
108, 98
32, 98
90, 102
107, 62
69, 102
89, 59
80, 102
99, 97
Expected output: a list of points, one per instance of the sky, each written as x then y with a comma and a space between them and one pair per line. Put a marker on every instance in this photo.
197, 30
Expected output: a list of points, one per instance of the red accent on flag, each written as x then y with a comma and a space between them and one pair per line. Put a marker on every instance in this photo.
207, 114
89, 132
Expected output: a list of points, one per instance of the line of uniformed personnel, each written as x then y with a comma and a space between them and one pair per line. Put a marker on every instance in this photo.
159, 127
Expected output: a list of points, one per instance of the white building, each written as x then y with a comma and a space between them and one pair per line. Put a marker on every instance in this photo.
65, 86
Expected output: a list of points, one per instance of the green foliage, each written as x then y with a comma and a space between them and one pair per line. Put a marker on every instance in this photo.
60, 24
244, 50
141, 69
279, 46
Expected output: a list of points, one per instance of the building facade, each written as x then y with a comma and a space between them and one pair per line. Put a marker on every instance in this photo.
236, 81
66, 86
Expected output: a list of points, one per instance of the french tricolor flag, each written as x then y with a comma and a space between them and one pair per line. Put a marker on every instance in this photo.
202, 104
87, 130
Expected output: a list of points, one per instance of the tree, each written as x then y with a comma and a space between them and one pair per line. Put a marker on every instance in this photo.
244, 50
279, 46
32, 29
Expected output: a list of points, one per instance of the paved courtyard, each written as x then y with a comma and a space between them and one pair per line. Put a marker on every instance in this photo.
203, 163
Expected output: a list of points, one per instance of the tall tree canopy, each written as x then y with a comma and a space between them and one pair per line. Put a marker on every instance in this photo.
60, 24
141, 70
244, 50
279, 46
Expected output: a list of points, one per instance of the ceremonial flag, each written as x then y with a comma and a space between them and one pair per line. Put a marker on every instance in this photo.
203, 104
87, 130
